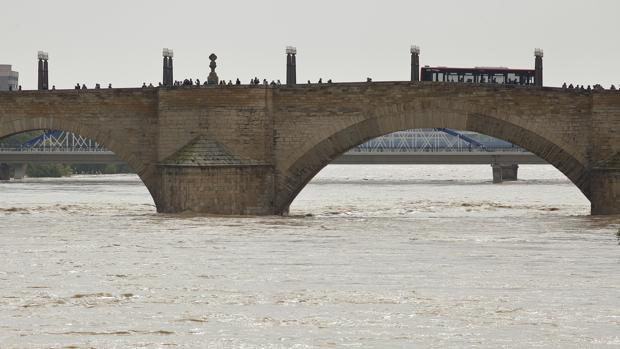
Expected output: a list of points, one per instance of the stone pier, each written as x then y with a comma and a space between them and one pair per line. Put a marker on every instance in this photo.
504, 172
19, 171
5, 173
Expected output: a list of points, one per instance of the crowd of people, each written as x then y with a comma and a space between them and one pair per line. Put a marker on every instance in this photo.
596, 87
191, 82
256, 81
83, 87
330, 81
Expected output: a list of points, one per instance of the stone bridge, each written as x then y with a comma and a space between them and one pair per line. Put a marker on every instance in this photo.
249, 150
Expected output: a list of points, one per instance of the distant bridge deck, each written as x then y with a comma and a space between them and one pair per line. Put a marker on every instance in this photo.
67, 157
433, 158
440, 158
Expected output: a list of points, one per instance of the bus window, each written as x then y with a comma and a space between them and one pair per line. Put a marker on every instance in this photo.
427, 76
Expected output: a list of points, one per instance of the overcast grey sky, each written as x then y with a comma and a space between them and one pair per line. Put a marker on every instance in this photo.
346, 40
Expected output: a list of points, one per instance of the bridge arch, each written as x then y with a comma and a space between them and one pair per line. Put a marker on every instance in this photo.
312, 158
99, 135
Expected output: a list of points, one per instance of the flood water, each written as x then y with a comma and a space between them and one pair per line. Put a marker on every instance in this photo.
371, 257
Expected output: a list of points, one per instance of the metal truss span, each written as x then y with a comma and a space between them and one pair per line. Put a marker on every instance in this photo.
418, 140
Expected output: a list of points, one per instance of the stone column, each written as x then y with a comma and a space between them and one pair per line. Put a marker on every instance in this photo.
164, 79
291, 65
294, 63
288, 68
40, 74
415, 63
168, 79
170, 70
538, 67
43, 73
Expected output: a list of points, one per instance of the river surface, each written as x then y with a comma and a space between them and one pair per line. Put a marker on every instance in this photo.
370, 257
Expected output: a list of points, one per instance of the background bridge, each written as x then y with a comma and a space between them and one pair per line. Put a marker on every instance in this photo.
419, 146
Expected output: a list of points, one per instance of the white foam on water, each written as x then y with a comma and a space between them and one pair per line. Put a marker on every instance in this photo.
371, 256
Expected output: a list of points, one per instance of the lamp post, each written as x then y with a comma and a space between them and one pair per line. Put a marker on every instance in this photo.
167, 68
415, 62
291, 65
43, 72
538, 67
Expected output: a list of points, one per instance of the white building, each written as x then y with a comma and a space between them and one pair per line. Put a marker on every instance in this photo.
8, 79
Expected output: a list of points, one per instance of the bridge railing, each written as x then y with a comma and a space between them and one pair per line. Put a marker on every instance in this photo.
438, 150
49, 149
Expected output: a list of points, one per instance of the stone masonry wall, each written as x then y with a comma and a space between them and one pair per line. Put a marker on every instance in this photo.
234, 116
217, 190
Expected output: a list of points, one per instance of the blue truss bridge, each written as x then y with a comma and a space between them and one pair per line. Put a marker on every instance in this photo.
418, 140
419, 146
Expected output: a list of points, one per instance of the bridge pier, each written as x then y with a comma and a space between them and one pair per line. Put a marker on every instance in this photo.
5, 174
218, 190
605, 191
504, 172
19, 171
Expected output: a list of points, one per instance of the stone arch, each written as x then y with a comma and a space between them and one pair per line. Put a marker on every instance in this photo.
392, 119
100, 135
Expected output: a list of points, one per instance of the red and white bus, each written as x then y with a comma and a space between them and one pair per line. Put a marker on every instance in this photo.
479, 75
